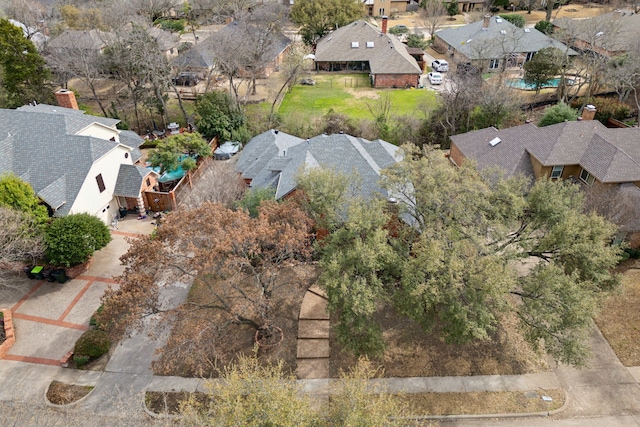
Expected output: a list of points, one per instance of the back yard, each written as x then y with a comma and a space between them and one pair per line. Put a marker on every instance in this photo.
352, 95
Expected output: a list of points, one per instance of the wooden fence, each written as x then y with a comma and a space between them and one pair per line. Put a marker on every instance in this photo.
166, 201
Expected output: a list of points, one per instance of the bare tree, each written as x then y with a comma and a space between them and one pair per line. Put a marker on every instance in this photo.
220, 183
433, 16
31, 13
292, 67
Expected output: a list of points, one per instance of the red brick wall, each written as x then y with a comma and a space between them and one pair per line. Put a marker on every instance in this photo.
456, 155
396, 80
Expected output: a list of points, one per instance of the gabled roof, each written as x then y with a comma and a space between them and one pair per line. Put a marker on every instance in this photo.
500, 38
129, 180
201, 55
616, 31
339, 152
361, 41
261, 149
611, 155
90, 40
166, 40
39, 144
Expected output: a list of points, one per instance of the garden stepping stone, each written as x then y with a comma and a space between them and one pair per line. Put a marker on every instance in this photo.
314, 307
316, 290
313, 368
313, 329
312, 349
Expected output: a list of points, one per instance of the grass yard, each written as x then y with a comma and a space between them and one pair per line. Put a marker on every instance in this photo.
619, 320
351, 94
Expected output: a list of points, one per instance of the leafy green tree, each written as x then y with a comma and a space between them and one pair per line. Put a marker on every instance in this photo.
452, 8
18, 194
417, 40
317, 17
73, 239
217, 115
459, 274
170, 152
514, 18
559, 113
23, 74
544, 27
543, 67
253, 198
355, 261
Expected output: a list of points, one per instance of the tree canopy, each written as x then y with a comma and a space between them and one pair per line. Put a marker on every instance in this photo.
23, 74
72, 239
217, 115
179, 150
454, 269
317, 17
544, 66
18, 194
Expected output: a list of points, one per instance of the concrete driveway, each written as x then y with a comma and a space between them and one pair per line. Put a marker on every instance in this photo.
50, 317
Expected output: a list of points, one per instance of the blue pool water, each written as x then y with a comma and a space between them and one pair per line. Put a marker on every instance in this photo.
172, 175
520, 84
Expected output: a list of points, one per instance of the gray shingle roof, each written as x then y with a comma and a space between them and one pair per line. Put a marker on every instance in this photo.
339, 152
130, 179
386, 54
261, 149
611, 155
497, 40
90, 40
38, 144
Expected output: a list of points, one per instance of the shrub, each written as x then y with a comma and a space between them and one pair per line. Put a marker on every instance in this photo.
93, 321
173, 25
606, 108
92, 344
544, 27
80, 360
514, 18
557, 114
71, 240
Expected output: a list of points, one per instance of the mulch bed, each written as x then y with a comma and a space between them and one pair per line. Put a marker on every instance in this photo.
63, 394
3, 334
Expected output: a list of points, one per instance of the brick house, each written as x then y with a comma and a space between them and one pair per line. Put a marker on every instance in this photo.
363, 48
604, 161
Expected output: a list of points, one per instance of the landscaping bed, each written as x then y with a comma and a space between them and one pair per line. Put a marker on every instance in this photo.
619, 320
64, 394
412, 353
3, 334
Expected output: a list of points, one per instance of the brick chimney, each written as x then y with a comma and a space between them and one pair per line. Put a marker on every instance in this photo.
67, 99
485, 22
384, 24
589, 112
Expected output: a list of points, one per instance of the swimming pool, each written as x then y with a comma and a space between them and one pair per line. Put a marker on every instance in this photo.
520, 84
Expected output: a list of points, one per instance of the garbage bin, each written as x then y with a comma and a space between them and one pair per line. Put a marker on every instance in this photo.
60, 275
46, 273
123, 212
37, 272
27, 271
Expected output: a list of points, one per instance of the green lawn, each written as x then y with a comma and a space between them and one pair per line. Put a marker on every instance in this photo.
351, 94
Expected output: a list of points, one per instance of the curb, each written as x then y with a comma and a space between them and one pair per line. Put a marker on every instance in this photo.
506, 415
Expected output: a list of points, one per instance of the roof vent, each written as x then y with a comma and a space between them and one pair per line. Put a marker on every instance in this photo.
599, 33
369, 44
503, 32
495, 141
527, 30
355, 44
498, 20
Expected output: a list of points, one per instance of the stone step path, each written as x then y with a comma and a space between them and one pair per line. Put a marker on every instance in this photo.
313, 336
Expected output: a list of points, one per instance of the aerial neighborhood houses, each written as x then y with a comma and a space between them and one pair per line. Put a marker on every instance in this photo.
494, 44
76, 163
604, 161
361, 47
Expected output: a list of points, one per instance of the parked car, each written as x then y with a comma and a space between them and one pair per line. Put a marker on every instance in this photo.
435, 78
186, 79
440, 65
308, 82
